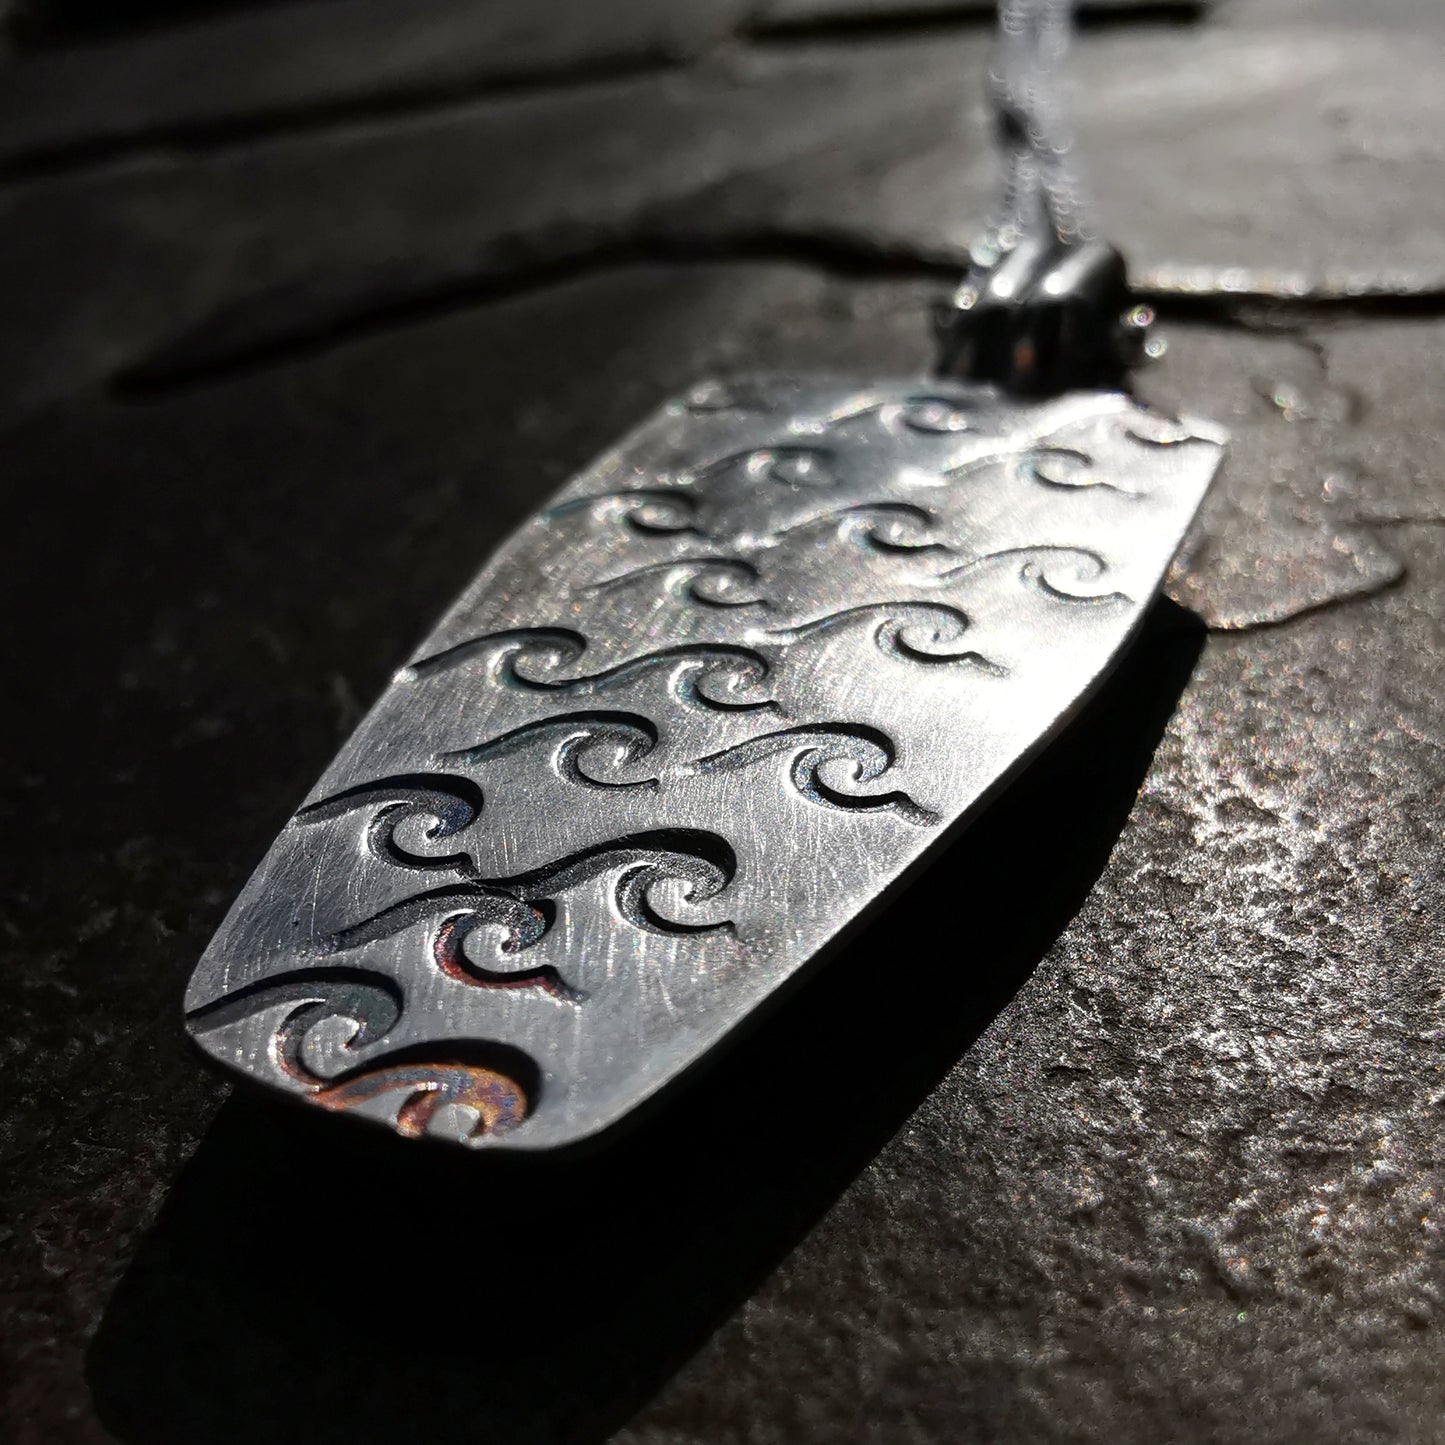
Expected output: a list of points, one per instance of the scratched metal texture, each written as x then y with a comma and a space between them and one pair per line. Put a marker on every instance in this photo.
700, 712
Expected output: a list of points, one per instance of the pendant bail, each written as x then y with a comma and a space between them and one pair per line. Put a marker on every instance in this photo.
1045, 316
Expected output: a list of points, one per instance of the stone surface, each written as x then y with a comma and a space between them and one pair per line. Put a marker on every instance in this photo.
1186, 1185
309, 234
1124, 1125
1323, 161
1179, 1118
782, 16
250, 70
1295, 485
238, 69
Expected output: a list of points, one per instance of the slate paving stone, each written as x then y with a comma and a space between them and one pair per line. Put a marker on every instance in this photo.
1125, 1126
1326, 465
1295, 483
1217, 1095
308, 232
1186, 1186
1324, 159
271, 65
229, 576
262, 66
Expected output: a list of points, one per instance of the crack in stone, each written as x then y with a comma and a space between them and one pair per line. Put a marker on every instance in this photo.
1294, 554
255, 335
1311, 570
1292, 614
765, 26
1390, 521
786, 25
245, 339
1277, 301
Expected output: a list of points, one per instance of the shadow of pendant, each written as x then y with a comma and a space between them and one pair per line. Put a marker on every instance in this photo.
309, 1283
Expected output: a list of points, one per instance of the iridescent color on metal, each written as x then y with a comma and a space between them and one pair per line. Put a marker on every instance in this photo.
701, 711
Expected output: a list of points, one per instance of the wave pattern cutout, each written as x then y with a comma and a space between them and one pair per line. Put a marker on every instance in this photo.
522, 908
370, 1001
709, 581
624, 739
924, 413
492, 1091
651, 511
497, 1101
797, 466
868, 752
925, 632
720, 677
886, 527
1040, 567
1068, 470
453, 805
585, 745
1154, 429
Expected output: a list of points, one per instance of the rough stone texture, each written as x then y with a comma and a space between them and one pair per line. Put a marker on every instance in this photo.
1187, 1184
250, 69
1124, 1125
858, 153
1297, 484
312, 63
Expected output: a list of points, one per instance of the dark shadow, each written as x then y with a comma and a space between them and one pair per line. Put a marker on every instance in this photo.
62, 22
310, 1283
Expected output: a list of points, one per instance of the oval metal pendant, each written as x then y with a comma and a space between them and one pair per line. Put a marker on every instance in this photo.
698, 713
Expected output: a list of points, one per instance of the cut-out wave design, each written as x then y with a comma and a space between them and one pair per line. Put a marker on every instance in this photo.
889, 527
1167, 431
624, 739
715, 676
926, 632
924, 413
459, 910
710, 581
586, 744
869, 751
497, 1101
652, 511
1034, 569
453, 804
796, 465
1066, 469
522, 907
1059, 468
497, 1085
371, 1001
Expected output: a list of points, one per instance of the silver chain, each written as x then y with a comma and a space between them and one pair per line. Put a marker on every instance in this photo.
1045, 305
1041, 198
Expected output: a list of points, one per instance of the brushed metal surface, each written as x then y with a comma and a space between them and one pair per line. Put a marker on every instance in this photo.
697, 713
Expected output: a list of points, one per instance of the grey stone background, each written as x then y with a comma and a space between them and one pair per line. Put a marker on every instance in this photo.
1124, 1125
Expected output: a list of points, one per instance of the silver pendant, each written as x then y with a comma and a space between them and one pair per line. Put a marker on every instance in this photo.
709, 705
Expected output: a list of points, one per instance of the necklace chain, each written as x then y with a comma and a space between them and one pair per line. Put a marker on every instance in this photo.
1041, 195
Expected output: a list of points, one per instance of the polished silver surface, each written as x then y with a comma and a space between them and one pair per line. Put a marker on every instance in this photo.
698, 713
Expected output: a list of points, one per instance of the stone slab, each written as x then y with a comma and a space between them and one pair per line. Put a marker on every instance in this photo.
1215, 1092
1322, 160
264, 67
1137, 1139
231, 69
